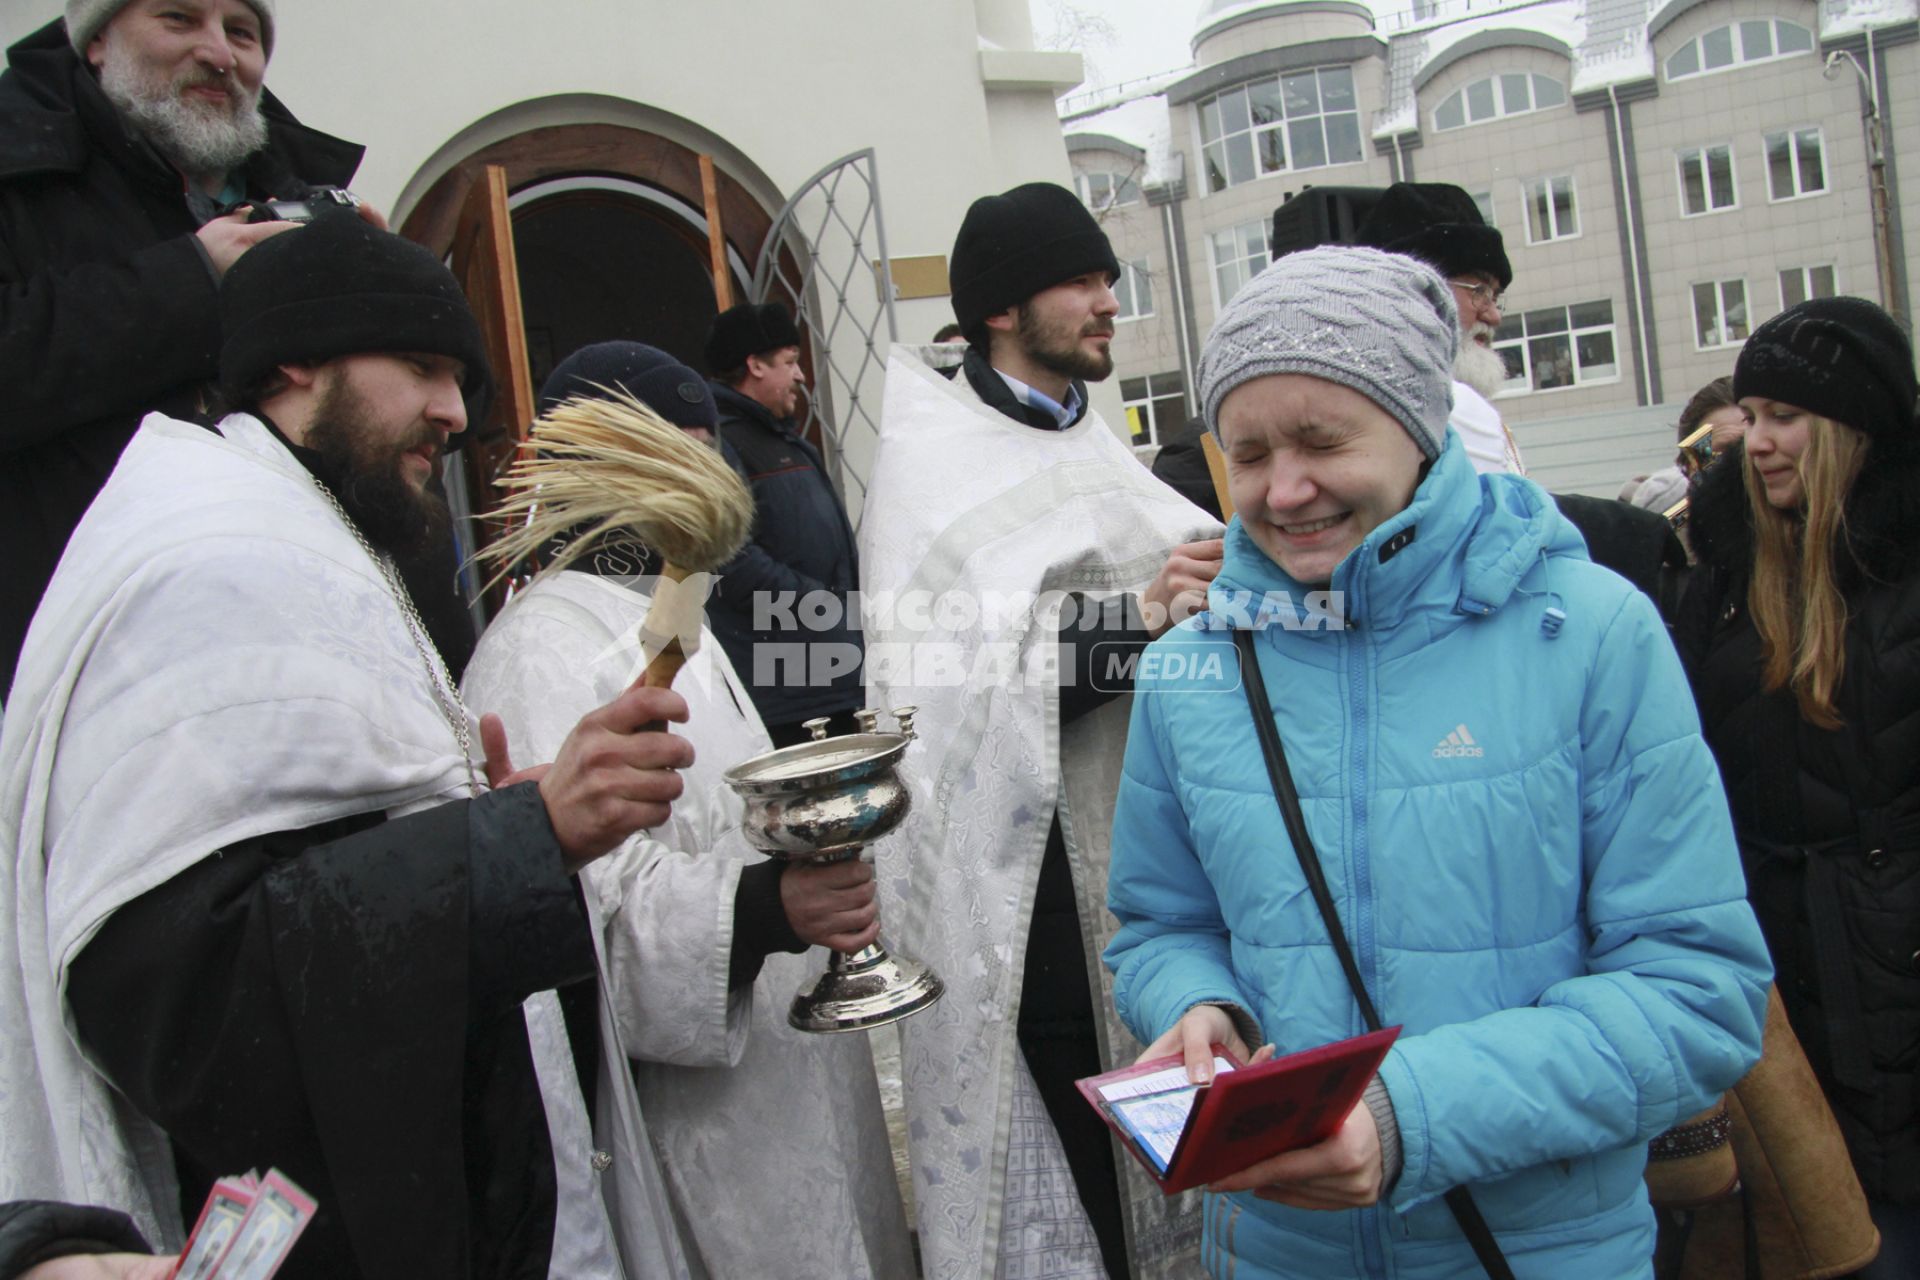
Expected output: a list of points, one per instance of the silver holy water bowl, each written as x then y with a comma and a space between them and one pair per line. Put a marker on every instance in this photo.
824, 801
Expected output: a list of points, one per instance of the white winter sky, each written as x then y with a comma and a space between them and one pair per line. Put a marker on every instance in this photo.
1128, 39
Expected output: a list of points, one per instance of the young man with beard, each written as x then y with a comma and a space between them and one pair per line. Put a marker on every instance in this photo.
799, 562
268, 905
124, 132
991, 488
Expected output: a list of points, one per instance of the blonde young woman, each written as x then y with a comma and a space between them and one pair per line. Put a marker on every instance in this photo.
1803, 635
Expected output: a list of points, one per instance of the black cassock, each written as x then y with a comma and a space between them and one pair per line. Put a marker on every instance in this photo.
344, 1003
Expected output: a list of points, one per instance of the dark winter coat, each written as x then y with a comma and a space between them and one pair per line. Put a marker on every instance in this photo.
801, 546
1829, 820
107, 302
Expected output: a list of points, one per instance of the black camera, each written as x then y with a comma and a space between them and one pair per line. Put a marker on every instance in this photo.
321, 202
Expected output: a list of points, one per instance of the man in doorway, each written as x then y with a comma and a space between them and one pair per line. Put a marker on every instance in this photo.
784, 608
268, 905
1050, 556
127, 132
1440, 224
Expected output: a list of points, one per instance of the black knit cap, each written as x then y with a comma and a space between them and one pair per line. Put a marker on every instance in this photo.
750, 329
1436, 222
1842, 358
1013, 245
646, 373
338, 286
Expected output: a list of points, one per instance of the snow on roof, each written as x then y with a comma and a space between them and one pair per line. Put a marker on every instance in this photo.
1607, 41
1606, 38
1143, 123
1849, 17
1212, 11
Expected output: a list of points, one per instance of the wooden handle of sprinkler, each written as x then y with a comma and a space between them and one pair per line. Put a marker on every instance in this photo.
659, 675
1217, 470
666, 664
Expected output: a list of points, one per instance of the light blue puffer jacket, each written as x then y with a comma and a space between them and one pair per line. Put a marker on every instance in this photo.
1527, 842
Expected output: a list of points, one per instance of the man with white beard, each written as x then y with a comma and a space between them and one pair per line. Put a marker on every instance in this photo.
1440, 223
126, 132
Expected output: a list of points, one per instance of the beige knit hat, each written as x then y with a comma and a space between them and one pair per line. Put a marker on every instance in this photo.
86, 17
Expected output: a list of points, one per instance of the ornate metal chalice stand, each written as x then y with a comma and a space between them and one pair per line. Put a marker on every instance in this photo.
823, 801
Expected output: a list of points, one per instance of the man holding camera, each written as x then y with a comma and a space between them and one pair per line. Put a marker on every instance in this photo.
127, 132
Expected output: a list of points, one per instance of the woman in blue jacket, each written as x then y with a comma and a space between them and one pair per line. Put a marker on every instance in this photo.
1500, 766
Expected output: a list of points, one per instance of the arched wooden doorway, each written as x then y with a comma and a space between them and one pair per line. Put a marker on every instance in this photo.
610, 229
610, 232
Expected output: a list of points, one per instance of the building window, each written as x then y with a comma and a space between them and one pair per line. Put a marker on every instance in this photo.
1797, 284
1507, 94
1155, 404
1484, 201
1300, 120
1239, 254
1134, 289
1761, 40
1099, 191
1795, 164
1719, 314
1550, 211
1706, 181
1558, 347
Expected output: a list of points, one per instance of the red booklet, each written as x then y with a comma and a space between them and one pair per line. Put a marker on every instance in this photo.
1186, 1136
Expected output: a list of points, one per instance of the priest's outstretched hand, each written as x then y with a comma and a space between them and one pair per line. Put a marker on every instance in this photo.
613, 776
831, 904
1179, 590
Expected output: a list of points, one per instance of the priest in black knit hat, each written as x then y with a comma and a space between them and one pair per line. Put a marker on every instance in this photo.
997, 482
302, 910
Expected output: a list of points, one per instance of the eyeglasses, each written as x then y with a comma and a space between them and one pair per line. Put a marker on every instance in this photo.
1483, 295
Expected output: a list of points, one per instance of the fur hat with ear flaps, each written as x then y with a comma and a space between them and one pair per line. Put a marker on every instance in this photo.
1436, 222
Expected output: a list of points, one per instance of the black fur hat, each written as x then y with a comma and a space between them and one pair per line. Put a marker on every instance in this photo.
750, 329
1438, 223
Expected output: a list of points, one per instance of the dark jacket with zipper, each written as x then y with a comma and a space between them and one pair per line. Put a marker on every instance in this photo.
108, 304
1829, 819
801, 546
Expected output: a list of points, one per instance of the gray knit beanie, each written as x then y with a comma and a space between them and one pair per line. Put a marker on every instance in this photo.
1380, 323
86, 17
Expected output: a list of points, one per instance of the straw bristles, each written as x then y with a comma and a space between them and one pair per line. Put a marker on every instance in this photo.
603, 464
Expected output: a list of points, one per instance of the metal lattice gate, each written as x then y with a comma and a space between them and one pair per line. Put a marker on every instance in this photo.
826, 259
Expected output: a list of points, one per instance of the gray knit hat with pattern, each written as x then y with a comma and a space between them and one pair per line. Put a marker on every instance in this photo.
1380, 323
86, 17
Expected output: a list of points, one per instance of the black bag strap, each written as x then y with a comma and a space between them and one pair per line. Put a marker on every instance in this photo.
1459, 1199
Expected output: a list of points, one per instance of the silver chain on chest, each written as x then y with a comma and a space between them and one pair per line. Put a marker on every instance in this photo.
445, 692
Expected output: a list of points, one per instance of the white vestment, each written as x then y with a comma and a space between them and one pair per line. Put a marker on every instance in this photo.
1488, 442
772, 1140
971, 509
218, 659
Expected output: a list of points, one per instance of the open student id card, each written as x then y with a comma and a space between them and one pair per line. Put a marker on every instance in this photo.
1187, 1135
